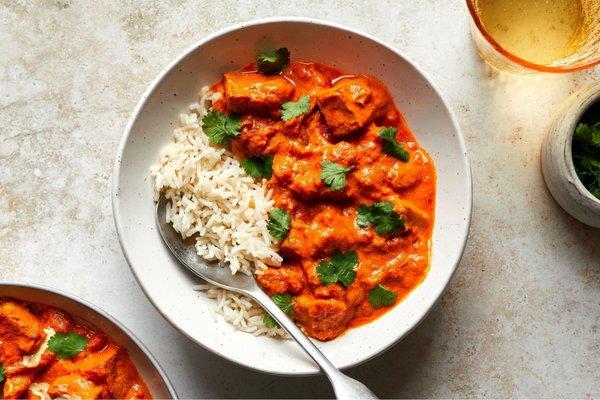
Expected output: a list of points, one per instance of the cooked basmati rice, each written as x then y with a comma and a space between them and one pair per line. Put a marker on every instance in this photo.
213, 199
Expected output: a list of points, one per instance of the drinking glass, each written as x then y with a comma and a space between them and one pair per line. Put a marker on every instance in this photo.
585, 55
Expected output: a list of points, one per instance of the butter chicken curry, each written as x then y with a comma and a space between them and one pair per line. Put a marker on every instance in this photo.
44, 355
354, 192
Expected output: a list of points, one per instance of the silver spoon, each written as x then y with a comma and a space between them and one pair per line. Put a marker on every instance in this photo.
343, 386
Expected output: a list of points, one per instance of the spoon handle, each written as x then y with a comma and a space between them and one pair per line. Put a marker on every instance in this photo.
343, 386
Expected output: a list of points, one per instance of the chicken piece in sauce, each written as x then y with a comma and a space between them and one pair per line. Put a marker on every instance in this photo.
352, 103
256, 93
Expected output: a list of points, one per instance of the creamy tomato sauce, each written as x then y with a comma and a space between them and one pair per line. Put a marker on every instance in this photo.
31, 370
346, 115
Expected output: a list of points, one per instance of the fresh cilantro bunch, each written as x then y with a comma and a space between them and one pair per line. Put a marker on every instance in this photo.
67, 345
381, 215
340, 268
334, 175
283, 301
391, 145
291, 110
272, 62
258, 167
586, 156
221, 128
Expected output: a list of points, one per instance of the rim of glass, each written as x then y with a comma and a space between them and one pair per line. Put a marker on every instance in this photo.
518, 60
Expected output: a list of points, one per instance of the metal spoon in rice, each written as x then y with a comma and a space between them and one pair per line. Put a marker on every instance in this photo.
344, 386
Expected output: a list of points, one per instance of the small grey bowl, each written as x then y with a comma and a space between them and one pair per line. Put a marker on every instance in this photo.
83, 312
557, 159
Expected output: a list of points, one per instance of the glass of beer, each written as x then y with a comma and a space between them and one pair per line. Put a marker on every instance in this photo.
537, 35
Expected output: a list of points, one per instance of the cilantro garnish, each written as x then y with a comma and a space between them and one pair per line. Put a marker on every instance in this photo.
279, 223
283, 301
391, 145
273, 61
258, 167
381, 215
381, 297
67, 345
269, 321
334, 175
586, 156
220, 128
1, 372
292, 109
339, 268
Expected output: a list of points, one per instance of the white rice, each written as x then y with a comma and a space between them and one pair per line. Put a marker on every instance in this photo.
213, 199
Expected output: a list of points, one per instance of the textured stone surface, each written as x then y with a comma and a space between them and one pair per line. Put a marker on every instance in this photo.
521, 316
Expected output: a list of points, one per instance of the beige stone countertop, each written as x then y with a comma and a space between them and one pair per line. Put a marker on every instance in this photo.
521, 317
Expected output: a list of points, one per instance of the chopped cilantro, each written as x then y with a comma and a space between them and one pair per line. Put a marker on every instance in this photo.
283, 301
279, 223
339, 268
391, 145
334, 175
381, 215
67, 345
292, 109
270, 321
586, 156
258, 167
381, 297
273, 61
1, 372
220, 128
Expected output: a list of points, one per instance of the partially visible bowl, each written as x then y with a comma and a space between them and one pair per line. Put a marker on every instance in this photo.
557, 159
88, 314
169, 286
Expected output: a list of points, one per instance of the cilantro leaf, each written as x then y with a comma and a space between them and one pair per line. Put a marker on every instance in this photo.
334, 175
270, 321
364, 216
273, 61
279, 223
67, 345
292, 109
381, 297
586, 156
1, 372
391, 145
283, 301
381, 215
340, 268
220, 128
258, 167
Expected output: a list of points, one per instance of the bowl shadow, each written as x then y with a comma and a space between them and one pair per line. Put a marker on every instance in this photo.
388, 375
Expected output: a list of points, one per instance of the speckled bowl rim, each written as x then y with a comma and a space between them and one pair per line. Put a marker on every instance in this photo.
591, 100
159, 78
99, 311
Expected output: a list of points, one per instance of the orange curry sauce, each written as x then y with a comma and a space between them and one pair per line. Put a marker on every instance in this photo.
346, 114
102, 370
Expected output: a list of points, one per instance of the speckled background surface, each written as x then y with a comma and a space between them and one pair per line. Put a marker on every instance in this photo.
521, 317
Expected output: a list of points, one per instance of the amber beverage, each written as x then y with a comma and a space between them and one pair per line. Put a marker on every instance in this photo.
537, 35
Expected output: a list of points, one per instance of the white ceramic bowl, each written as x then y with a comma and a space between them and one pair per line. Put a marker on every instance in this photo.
169, 286
557, 159
88, 314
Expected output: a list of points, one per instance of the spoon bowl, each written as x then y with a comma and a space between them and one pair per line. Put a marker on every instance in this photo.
185, 252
